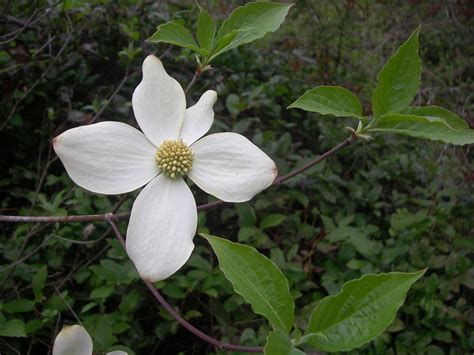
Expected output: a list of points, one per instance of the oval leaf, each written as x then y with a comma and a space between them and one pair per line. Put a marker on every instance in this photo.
176, 34
257, 279
399, 79
251, 22
451, 118
360, 312
434, 128
279, 343
330, 100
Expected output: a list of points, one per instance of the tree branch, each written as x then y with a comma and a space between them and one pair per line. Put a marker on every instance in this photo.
111, 218
206, 206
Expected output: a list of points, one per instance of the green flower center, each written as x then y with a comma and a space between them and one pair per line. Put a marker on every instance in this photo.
174, 158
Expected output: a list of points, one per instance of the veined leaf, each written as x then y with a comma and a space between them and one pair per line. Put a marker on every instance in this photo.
330, 100
451, 118
279, 343
251, 22
429, 127
12, 328
257, 279
399, 79
206, 29
176, 34
359, 312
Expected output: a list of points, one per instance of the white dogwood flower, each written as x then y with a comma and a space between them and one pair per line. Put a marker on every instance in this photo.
74, 340
113, 158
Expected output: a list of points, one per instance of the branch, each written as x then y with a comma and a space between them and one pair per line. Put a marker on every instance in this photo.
203, 207
111, 218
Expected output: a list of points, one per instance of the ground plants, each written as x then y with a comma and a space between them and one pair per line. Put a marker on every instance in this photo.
346, 228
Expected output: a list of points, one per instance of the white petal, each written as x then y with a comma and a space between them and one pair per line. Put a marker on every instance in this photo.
158, 102
161, 228
117, 352
107, 157
230, 167
199, 118
72, 340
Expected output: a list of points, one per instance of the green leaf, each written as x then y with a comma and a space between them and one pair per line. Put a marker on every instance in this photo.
176, 34
279, 343
451, 118
101, 292
257, 279
272, 220
251, 22
399, 79
428, 127
359, 312
13, 328
20, 305
330, 100
206, 29
38, 282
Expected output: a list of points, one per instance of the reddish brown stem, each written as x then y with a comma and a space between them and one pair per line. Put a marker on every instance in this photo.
206, 206
159, 298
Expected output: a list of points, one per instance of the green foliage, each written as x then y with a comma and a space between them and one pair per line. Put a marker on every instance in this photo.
399, 79
393, 204
244, 25
428, 127
359, 313
176, 34
257, 279
279, 343
330, 100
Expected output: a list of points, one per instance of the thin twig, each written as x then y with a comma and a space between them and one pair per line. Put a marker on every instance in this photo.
206, 206
43, 75
197, 73
111, 97
159, 298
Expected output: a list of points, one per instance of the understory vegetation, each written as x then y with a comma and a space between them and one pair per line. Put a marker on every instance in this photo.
391, 204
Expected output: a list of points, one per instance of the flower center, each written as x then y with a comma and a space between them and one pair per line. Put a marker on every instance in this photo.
174, 158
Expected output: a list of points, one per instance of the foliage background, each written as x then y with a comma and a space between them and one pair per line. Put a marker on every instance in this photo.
392, 204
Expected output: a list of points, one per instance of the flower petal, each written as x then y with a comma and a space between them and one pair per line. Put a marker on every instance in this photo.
107, 157
161, 228
117, 352
199, 118
230, 167
73, 340
158, 102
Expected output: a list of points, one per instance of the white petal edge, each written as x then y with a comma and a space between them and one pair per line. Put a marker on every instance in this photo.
117, 352
161, 229
199, 117
158, 103
107, 157
73, 340
230, 167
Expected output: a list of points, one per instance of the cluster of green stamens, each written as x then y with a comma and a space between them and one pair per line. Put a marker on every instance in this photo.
174, 158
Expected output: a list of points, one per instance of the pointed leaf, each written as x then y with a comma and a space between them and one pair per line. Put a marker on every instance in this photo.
206, 29
279, 343
451, 118
359, 312
252, 21
399, 79
176, 34
428, 127
257, 279
330, 100
12, 328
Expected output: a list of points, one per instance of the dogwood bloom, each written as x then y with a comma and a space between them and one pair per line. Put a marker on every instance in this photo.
113, 158
74, 340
